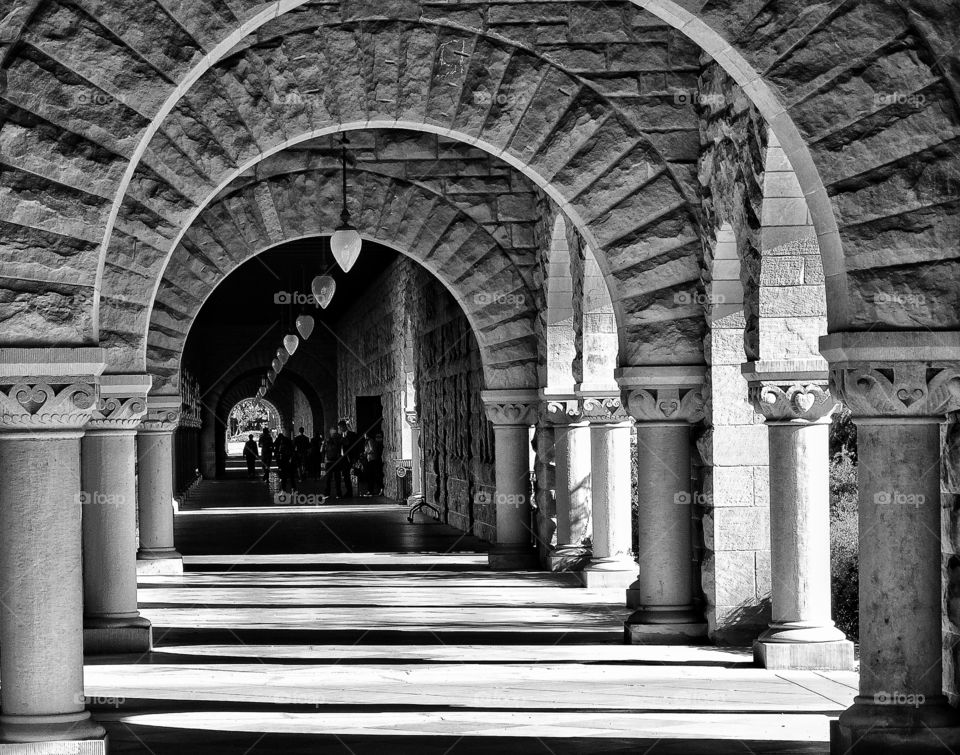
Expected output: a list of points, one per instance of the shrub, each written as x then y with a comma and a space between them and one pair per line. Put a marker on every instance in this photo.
844, 543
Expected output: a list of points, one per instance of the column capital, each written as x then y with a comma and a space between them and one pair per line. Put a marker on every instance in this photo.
663, 394
511, 407
790, 390
48, 389
603, 408
560, 410
907, 375
122, 402
412, 418
162, 415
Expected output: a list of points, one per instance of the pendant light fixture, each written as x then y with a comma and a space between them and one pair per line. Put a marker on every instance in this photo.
323, 288
282, 356
290, 343
345, 242
305, 326
276, 365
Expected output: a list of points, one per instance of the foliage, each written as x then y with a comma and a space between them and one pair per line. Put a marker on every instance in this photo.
844, 543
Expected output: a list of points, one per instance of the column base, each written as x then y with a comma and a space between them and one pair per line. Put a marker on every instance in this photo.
804, 656
665, 625
875, 728
104, 636
568, 558
165, 561
74, 733
513, 558
609, 575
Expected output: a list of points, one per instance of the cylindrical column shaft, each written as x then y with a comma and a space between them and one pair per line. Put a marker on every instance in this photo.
416, 461
41, 598
663, 592
155, 493
573, 495
111, 620
612, 564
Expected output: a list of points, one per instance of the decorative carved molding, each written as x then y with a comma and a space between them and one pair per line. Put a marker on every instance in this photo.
118, 413
162, 416
785, 402
413, 419
44, 405
512, 413
662, 404
897, 389
604, 409
562, 411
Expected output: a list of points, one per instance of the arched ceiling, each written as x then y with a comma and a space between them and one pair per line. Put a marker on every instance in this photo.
102, 122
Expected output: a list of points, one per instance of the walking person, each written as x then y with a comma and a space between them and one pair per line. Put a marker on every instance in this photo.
373, 464
266, 452
301, 450
250, 455
352, 451
333, 461
286, 463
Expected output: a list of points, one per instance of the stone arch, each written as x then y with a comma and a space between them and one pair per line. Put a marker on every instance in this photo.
274, 418
451, 245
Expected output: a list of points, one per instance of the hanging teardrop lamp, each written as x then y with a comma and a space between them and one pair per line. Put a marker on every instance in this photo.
305, 326
323, 287
345, 242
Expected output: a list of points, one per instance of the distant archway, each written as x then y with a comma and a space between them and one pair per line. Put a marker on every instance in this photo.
251, 416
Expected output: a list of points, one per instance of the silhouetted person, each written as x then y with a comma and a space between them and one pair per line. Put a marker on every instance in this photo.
286, 462
352, 451
301, 447
333, 460
316, 456
373, 464
250, 455
266, 452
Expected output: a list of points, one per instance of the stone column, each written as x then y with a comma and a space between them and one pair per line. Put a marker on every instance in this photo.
111, 622
571, 449
612, 564
545, 492
899, 387
797, 406
416, 457
157, 554
512, 413
209, 438
46, 397
665, 402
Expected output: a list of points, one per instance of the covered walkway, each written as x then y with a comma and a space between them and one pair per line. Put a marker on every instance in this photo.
342, 628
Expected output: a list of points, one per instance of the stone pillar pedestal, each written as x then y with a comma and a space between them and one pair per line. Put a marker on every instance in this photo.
612, 564
512, 413
571, 448
899, 387
797, 406
665, 402
416, 458
111, 622
46, 397
157, 554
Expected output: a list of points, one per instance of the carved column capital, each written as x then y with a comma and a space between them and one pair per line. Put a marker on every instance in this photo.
48, 390
790, 390
663, 394
122, 403
162, 415
907, 375
412, 418
511, 407
560, 411
604, 409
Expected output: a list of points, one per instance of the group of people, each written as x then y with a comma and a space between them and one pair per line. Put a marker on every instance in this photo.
337, 458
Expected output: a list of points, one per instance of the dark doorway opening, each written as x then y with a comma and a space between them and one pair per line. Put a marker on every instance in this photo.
369, 415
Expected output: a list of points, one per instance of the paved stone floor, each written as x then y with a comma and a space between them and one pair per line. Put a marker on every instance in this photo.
342, 628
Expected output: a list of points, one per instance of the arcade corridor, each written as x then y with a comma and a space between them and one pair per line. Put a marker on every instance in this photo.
342, 628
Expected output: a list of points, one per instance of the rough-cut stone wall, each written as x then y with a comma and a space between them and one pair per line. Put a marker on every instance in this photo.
370, 360
457, 439
950, 518
734, 500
